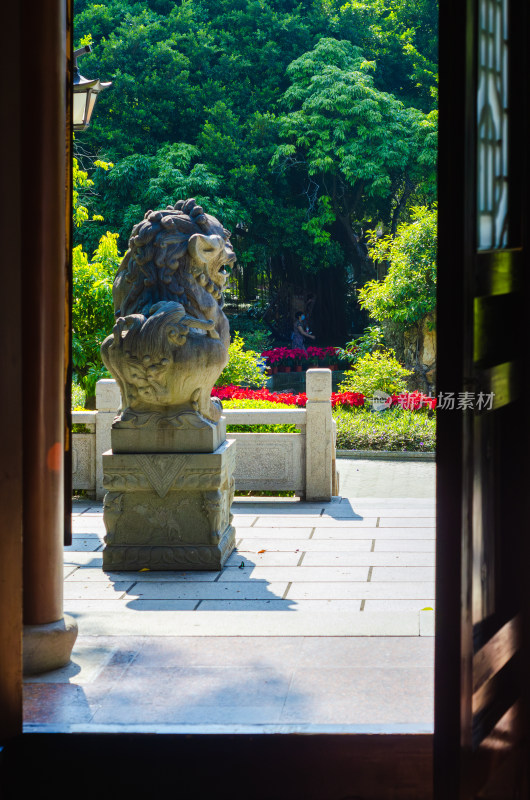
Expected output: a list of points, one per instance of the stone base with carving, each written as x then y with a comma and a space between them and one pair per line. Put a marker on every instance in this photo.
168, 511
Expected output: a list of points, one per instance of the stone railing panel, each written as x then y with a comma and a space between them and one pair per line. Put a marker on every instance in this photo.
269, 461
303, 462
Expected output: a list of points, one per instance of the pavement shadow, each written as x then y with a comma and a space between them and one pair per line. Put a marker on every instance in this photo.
231, 589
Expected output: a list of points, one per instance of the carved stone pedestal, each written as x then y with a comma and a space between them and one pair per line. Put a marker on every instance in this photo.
168, 511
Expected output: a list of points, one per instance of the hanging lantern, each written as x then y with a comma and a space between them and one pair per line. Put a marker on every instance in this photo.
85, 93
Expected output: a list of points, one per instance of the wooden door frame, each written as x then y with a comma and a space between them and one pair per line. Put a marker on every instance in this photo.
456, 287
348, 764
11, 394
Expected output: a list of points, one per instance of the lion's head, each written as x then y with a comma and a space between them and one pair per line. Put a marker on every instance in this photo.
166, 247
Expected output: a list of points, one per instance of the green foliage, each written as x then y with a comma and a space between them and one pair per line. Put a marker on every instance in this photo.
297, 123
401, 35
377, 371
258, 428
82, 187
365, 146
255, 334
392, 429
92, 309
78, 396
408, 292
346, 126
243, 366
372, 339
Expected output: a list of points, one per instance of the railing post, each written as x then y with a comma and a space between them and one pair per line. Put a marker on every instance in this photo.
108, 401
319, 435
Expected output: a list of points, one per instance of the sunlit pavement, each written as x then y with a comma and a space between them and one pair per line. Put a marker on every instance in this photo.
322, 619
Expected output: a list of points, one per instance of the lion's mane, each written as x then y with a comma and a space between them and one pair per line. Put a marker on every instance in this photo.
157, 266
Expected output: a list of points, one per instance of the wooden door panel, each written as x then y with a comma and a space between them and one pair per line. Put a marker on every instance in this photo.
481, 540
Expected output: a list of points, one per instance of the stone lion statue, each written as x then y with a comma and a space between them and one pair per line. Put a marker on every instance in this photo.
170, 341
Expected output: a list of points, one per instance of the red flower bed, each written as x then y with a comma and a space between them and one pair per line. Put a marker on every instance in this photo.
285, 354
409, 400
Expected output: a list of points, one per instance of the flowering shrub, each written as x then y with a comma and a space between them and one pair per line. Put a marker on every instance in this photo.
322, 352
377, 371
287, 355
413, 401
240, 393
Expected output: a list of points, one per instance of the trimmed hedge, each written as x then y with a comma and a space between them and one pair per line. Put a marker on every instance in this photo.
358, 428
393, 429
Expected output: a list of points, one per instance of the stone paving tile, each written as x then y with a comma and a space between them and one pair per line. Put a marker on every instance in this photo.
93, 512
251, 590
277, 558
333, 534
310, 522
294, 574
427, 622
388, 502
406, 545
125, 604
57, 704
277, 532
244, 520
404, 574
398, 605
279, 544
89, 543
162, 604
370, 559
277, 509
407, 522
252, 623
380, 590
127, 713
68, 569
94, 574
83, 559
218, 686
83, 525
364, 512
373, 651
94, 590
386, 479
362, 695
219, 651
280, 605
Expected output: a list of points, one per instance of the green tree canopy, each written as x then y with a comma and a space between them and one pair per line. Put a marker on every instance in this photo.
408, 293
363, 147
298, 122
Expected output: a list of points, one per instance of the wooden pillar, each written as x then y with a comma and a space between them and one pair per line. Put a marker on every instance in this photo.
47, 638
11, 394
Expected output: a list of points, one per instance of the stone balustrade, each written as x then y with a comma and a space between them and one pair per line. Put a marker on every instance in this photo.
303, 462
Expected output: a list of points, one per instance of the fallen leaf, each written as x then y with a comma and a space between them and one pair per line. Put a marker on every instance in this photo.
262, 551
144, 569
